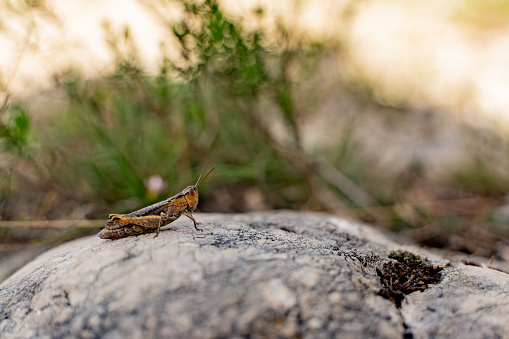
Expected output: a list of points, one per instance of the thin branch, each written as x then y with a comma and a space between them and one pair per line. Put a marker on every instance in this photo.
97, 223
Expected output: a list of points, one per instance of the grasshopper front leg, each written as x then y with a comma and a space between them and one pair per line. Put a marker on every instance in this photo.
190, 216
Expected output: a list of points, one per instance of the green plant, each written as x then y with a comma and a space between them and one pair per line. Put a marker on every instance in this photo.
215, 102
15, 131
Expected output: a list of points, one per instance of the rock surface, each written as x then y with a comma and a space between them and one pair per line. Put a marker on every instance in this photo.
277, 274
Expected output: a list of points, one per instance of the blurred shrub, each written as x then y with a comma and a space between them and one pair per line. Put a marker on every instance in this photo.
15, 131
215, 102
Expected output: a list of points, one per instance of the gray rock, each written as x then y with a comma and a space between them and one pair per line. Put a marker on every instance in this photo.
278, 274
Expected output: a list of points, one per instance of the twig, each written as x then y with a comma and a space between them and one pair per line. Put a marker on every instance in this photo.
97, 223
5, 105
334, 177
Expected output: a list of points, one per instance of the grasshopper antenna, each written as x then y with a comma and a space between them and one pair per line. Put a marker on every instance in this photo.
198, 182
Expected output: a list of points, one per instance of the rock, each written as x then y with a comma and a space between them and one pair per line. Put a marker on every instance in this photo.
469, 302
277, 274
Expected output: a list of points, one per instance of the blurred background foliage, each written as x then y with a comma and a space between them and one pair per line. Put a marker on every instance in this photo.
241, 99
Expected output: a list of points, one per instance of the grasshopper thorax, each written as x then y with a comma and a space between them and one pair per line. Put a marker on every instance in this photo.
191, 195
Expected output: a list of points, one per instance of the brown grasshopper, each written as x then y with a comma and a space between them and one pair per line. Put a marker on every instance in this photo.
153, 217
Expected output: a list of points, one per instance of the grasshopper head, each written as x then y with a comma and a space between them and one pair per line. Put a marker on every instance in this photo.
191, 194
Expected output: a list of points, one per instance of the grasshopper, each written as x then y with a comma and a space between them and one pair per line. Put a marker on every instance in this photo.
153, 217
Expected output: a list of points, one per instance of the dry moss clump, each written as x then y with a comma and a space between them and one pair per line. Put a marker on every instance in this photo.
406, 274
